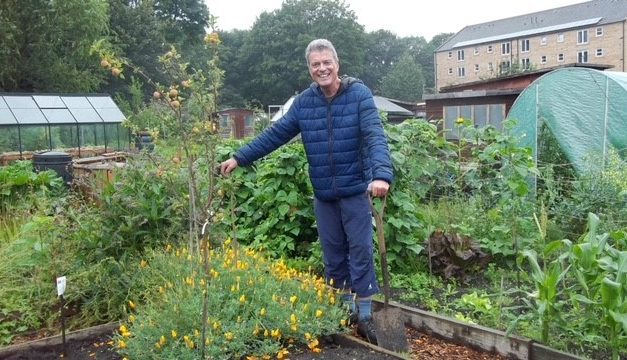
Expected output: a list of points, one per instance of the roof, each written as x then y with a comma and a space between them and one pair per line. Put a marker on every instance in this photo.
596, 12
59, 109
382, 104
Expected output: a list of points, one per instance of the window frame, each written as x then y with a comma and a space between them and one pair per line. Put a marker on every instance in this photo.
581, 56
506, 46
582, 37
525, 45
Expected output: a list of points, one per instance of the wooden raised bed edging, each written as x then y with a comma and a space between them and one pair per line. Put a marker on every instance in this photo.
475, 336
81, 334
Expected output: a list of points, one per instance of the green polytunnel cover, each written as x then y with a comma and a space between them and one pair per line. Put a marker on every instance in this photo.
585, 110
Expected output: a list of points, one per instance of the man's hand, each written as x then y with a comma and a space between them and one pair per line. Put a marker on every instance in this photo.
378, 188
227, 166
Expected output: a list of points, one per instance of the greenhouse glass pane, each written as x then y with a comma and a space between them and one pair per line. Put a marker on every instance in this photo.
480, 116
76, 102
9, 139
29, 116
110, 115
6, 117
49, 102
101, 102
92, 135
35, 138
497, 114
450, 115
59, 116
85, 115
64, 136
20, 102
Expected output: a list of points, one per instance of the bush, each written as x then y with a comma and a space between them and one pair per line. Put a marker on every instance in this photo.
255, 307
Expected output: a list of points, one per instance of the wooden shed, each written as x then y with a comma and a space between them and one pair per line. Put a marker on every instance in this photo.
237, 123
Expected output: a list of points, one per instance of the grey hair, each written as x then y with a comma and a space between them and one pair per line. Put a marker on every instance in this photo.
321, 45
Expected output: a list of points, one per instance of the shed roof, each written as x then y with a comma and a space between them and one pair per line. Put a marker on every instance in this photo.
58, 109
382, 104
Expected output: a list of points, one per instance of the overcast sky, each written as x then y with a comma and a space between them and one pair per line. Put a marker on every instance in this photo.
402, 17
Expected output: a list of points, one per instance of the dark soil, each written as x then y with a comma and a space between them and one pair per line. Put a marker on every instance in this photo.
422, 347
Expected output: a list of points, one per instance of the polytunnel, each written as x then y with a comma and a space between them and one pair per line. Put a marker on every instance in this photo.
584, 109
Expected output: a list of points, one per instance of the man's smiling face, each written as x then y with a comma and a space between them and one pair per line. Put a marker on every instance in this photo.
323, 69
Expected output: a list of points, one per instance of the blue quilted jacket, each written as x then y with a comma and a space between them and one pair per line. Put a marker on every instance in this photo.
343, 138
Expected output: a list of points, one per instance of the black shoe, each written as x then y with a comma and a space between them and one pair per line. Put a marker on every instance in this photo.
353, 317
365, 329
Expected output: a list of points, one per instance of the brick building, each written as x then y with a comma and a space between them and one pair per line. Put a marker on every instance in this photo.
592, 32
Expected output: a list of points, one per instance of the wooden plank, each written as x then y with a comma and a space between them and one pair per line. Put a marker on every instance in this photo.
542, 352
475, 336
57, 339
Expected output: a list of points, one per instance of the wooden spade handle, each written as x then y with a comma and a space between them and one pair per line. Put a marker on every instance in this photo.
378, 219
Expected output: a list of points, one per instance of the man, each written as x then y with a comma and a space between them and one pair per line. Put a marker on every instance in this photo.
348, 157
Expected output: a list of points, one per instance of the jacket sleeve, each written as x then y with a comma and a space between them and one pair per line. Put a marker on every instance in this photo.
270, 139
374, 139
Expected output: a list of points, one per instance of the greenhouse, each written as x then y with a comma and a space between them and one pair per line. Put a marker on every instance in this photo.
37, 122
584, 109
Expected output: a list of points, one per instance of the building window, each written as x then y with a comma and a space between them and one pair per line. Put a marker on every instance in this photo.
560, 38
582, 56
450, 71
543, 59
490, 67
489, 49
476, 52
560, 57
505, 67
582, 37
224, 121
525, 64
543, 40
599, 31
481, 115
460, 55
524, 45
599, 53
249, 121
476, 67
461, 72
505, 48
450, 54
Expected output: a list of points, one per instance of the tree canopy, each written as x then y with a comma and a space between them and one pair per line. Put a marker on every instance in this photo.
44, 46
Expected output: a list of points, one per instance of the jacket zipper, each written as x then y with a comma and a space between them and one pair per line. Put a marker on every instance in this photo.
331, 138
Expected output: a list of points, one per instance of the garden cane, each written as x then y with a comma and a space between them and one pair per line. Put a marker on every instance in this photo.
389, 322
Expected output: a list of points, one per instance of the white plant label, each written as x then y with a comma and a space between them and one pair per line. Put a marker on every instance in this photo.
61, 281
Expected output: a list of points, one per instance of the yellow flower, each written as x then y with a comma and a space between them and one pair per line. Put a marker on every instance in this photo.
316, 350
174, 334
242, 299
343, 322
293, 318
282, 354
216, 325
131, 305
121, 344
319, 313
162, 340
123, 328
459, 121
229, 336
158, 346
263, 312
293, 299
131, 318
294, 327
308, 336
143, 263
